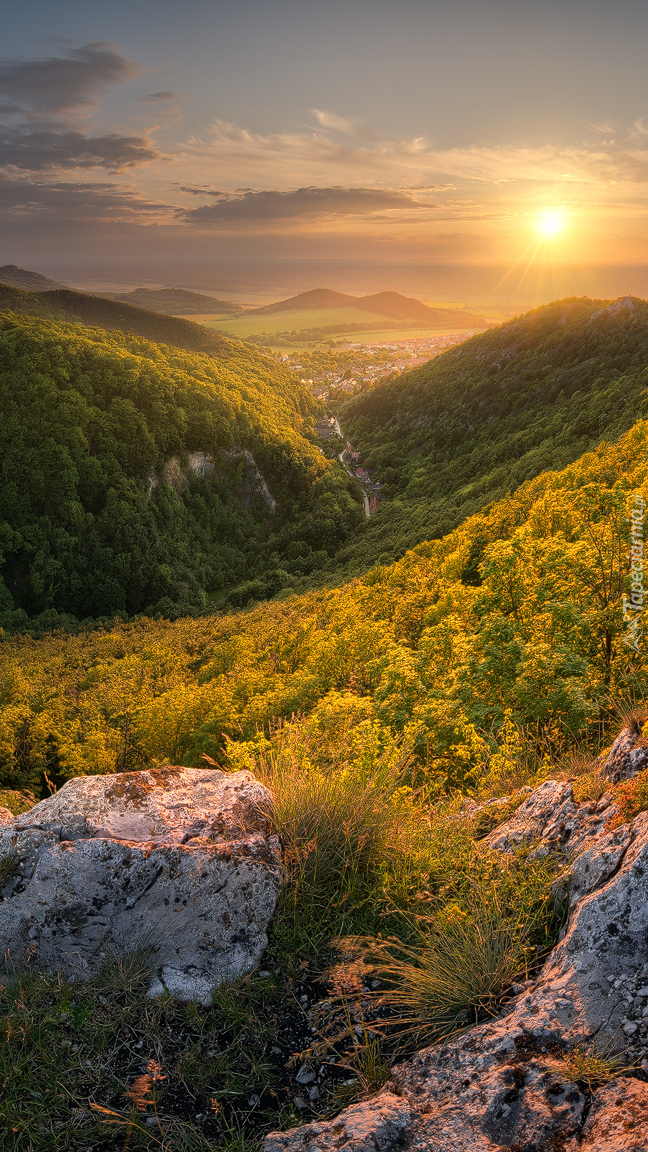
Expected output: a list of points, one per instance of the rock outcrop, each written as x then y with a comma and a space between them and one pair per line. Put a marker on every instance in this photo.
505, 1083
627, 756
176, 860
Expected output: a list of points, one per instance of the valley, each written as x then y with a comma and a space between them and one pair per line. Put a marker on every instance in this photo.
323, 595
396, 612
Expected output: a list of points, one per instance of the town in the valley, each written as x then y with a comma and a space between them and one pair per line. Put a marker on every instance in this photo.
335, 374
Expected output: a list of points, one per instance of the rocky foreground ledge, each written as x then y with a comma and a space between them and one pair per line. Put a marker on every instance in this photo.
502, 1084
177, 860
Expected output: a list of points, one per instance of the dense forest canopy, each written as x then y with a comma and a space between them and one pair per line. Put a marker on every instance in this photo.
137, 477
451, 436
511, 623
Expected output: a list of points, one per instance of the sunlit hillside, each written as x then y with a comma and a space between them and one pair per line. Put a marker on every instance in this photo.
514, 618
460, 431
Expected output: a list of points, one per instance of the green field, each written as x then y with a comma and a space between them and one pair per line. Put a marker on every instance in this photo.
290, 321
321, 318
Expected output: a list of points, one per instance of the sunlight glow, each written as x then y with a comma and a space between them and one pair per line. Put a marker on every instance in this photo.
550, 224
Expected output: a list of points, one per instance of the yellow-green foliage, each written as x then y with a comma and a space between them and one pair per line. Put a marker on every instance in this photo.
16, 802
457, 668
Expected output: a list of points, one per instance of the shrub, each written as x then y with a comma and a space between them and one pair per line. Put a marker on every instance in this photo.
16, 802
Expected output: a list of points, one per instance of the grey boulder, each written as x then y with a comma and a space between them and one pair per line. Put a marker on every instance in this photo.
175, 860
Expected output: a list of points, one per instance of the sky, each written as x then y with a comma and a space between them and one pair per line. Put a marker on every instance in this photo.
479, 147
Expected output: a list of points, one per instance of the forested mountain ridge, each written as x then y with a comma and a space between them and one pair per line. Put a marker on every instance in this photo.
137, 477
81, 307
449, 437
29, 281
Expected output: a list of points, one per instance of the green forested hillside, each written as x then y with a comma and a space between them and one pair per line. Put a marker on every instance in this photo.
461, 430
480, 662
79, 307
136, 477
509, 627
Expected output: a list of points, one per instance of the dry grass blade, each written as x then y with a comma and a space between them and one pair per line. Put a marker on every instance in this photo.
112, 1117
140, 1090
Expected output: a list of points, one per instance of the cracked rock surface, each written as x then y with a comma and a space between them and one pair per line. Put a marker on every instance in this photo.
504, 1084
175, 859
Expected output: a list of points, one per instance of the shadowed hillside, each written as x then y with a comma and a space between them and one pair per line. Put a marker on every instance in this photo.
174, 302
139, 477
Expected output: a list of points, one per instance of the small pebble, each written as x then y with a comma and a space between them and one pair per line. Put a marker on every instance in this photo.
305, 1075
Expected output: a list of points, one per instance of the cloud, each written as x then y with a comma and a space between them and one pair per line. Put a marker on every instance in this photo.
330, 120
61, 86
202, 191
314, 157
42, 150
63, 201
273, 205
41, 102
159, 97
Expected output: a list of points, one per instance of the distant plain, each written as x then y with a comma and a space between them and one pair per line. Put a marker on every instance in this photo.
308, 319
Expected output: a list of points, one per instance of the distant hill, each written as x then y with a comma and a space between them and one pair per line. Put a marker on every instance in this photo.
175, 302
390, 304
317, 298
30, 281
80, 307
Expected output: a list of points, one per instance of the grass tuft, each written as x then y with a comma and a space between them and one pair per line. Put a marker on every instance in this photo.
591, 1068
126, 970
352, 836
450, 980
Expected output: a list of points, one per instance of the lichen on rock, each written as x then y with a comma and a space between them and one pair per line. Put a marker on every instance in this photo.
176, 860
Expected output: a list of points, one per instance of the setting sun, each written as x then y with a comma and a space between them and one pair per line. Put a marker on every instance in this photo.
550, 224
